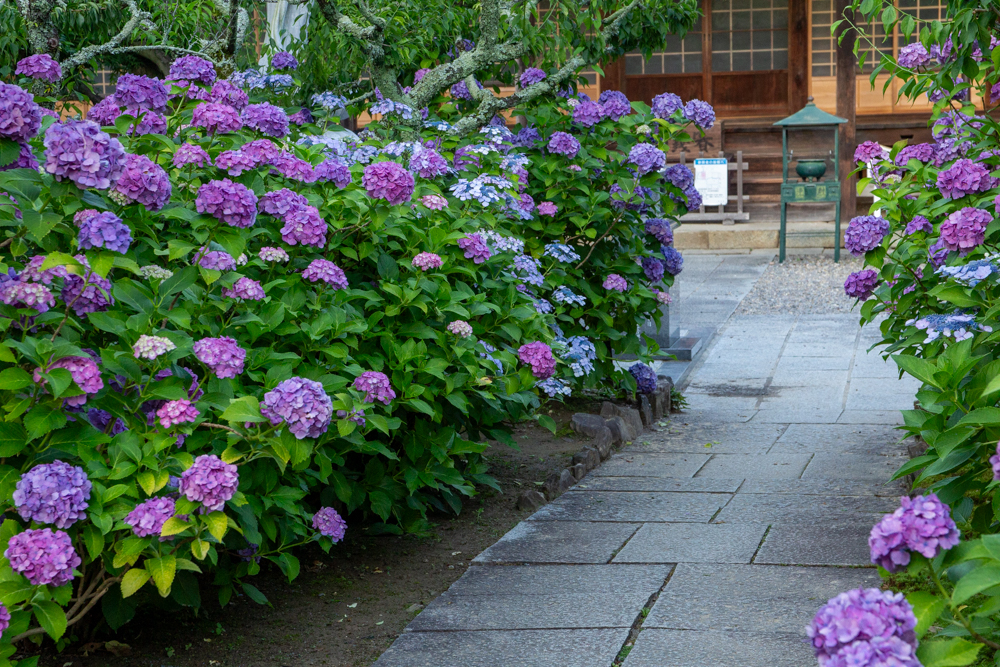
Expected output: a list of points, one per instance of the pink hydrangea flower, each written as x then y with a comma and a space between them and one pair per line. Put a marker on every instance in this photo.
426, 261
177, 412
539, 356
615, 283
460, 328
547, 208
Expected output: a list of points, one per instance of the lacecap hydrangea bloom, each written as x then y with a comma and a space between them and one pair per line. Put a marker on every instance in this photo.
329, 524
80, 151
539, 356
957, 325
181, 411
561, 252
615, 283
973, 273
426, 261
965, 229
376, 387
865, 628
323, 270
151, 347
246, 289
865, 233
20, 116
460, 328
44, 556
301, 404
563, 294
388, 181
55, 493
85, 372
861, 284
266, 119
209, 481
223, 356
922, 524
645, 377
147, 518
232, 203
145, 182
40, 66
561, 143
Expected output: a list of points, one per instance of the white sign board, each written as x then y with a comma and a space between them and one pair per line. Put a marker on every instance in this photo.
711, 180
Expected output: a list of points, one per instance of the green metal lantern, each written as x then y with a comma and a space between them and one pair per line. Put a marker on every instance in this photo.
814, 184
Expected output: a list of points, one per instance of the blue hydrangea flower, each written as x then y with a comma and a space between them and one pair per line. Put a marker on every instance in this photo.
543, 307
973, 273
553, 387
526, 268
387, 106
957, 325
438, 124
488, 355
500, 243
329, 101
562, 252
477, 189
564, 294
579, 353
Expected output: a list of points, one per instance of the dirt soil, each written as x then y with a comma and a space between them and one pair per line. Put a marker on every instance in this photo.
347, 607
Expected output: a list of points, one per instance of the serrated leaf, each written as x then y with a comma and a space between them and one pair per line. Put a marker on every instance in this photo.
12, 379
954, 652
174, 526
243, 409
51, 617
217, 524
133, 580
13, 439
163, 570
976, 581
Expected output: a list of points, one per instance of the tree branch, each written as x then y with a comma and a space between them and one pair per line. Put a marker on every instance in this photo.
85, 54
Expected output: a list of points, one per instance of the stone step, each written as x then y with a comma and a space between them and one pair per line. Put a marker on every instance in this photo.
752, 235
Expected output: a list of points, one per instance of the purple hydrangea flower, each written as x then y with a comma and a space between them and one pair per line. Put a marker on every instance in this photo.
660, 229
653, 268
376, 387
134, 91
965, 229
283, 60
80, 151
55, 493
615, 104
426, 261
89, 293
150, 122
192, 68
280, 203
209, 481
217, 260
388, 181
527, 137
326, 271
148, 518
44, 556
666, 105
645, 377
460, 91
539, 356
547, 208
216, 118
965, 177
191, 154
20, 117
588, 114
475, 248
85, 373
301, 117
673, 262
267, 119
145, 182
647, 158
995, 463
151, 347
235, 162
865, 233
329, 524
861, 284
105, 112
919, 224
226, 92
861, 620
531, 76
434, 202
293, 168
303, 225
561, 143
271, 254
40, 66
300, 403
460, 328
232, 203
333, 170
922, 524
246, 289
913, 56
680, 176
4, 619
870, 151
223, 356
25, 159
615, 283
105, 230
920, 152
181, 411
428, 163
26, 295
701, 113
100, 419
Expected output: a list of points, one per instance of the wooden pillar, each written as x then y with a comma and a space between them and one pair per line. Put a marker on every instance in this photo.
706, 51
798, 54
614, 76
846, 108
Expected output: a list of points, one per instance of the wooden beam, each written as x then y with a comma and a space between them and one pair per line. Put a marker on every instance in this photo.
706, 51
798, 54
614, 76
846, 108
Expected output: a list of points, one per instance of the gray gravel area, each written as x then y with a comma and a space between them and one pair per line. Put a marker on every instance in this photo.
804, 284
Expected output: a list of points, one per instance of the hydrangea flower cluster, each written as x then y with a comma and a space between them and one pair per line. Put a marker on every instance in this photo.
647, 158
134, 91
479, 188
55, 493
191, 154
26, 295
913, 56
147, 518
666, 105
563, 294
191, 68
865, 233
965, 229
865, 628
426, 261
105, 230
561, 143
217, 260
615, 283
376, 387
561, 252
531, 76
181, 411
329, 101
525, 267
964, 177
80, 151
653, 269
329, 524
588, 114
460, 328
957, 325
44, 556
283, 60
645, 377
209, 481
428, 163
579, 353
323, 270
301, 404
151, 347
861, 284
922, 524
918, 224
85, 373
246, 289
547, 208
701, 113
20, 117
153, 272
869, 152
89, 293
40, 66
388, 181
223, 356
500, 243
266, 119
145, 182
973, 273
673, 262
615, 104
232, 203
475, 248
303, 225
539, 356
554, 387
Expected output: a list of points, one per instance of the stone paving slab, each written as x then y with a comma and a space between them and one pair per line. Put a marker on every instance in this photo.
543, 597
651, 465
693, 648
781, 415
856, 466
750, 598
693, 543
871, 417
825, 487
760, 508
632, 507
658, 484
723, 438
564, 542
816, 543
519, 648
786, 364
839, 439
760, 466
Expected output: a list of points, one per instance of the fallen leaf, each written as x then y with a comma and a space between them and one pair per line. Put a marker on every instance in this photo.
352, 606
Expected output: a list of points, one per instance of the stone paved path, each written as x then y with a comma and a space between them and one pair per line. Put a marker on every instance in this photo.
710, 543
